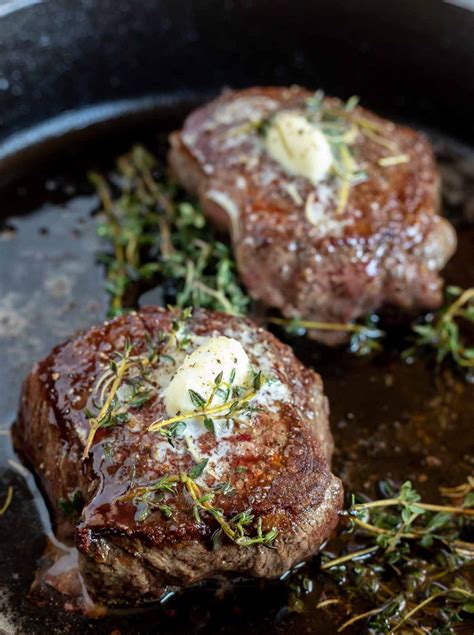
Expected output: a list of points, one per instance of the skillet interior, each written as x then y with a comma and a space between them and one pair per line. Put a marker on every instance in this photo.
388, 59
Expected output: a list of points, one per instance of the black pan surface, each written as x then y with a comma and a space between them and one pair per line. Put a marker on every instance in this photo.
152, 62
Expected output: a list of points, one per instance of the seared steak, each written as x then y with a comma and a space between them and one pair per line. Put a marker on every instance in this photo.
246, 493
329, 251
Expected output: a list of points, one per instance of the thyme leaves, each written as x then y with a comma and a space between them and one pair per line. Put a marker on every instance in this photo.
110, 412
153, 231
127, 226
242, 528
342, 126
236, 528
441, 333
365, 337
413, 561
147, 498
126, 384
237, 402
72, 505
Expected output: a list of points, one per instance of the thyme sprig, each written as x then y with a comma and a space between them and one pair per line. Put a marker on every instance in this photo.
7, 501
239, 403
153, 230
153, 496
110, 411
236, 528
131, 374
342, 126
441, 332
146, 498
128, 227
414, 559
364, 339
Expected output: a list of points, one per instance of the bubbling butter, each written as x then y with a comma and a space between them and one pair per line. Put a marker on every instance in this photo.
299, 147
199, 370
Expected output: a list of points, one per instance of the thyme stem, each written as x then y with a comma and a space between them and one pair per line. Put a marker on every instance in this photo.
8, 500
361, 616
324, 603
461, 301
197, 497
95, 423
320, 326
380, 530
350, 556
234, 528
205, 412
389, 502
104, 194
217, 295
428, 600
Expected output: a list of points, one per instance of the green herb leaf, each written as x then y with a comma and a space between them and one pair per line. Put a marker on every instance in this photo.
198, 469
196, 399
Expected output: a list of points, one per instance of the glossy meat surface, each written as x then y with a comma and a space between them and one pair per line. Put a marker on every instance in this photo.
275, 463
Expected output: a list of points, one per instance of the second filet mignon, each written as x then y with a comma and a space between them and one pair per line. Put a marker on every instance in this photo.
366, 235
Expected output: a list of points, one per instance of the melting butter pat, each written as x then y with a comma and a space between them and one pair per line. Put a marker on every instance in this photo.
299, 147
199, 370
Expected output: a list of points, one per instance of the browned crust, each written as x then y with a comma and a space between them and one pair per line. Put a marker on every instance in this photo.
385, 248
288, 482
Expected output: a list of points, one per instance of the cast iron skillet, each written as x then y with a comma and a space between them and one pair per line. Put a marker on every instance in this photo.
79, 82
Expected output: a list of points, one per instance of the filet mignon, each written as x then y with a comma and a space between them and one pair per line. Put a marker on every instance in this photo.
329, 251
267, 474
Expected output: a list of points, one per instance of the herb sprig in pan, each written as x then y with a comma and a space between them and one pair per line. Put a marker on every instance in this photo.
441, 333
365, 337
405, 559
153, 232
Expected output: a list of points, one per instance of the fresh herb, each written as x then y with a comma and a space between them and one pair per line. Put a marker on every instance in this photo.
139, 396
404, 559
132, 374
342, 126
110, 409
441, 332
236, 528
72, 505
157, 496
175, 430
300, 585
149, 497
128, 226
8, 500
238, 404
152, 230
224, 488
129, 373
198, 469
364, 337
